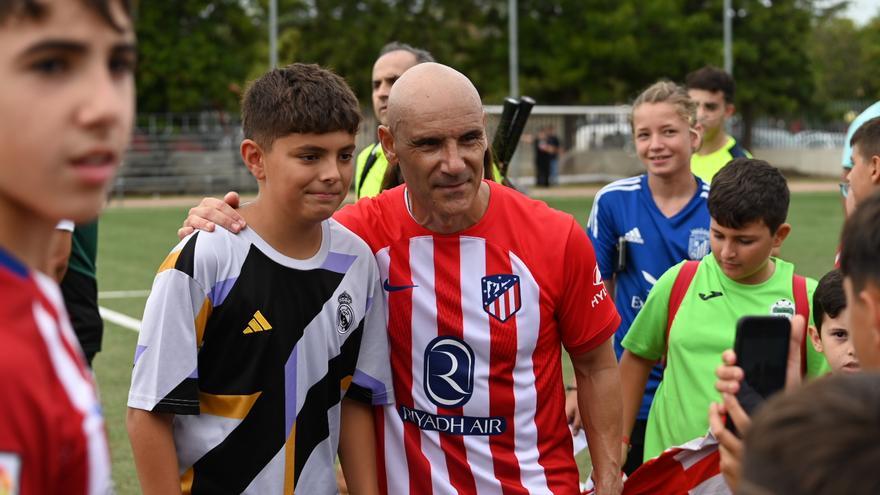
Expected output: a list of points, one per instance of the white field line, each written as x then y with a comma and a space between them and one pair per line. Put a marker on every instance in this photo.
120, 319
123, 294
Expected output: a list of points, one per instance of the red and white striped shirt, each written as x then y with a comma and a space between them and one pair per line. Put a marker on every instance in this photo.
476, 322
52, 437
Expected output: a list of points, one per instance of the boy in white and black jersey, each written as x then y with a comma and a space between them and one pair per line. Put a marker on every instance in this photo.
261, 353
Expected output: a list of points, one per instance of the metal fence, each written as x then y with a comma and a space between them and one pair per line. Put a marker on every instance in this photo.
198, 153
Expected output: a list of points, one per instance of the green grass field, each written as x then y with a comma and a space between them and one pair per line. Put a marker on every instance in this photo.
134, 241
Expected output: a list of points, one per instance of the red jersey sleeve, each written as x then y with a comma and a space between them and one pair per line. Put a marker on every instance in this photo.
586, 313
28, 433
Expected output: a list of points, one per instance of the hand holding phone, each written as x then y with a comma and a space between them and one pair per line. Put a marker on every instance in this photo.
761, 347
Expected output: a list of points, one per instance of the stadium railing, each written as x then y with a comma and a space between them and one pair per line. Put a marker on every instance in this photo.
197, 153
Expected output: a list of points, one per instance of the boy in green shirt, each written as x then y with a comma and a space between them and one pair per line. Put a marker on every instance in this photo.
748, 203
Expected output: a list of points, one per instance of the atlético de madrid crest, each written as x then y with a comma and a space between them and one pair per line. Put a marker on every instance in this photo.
501, 298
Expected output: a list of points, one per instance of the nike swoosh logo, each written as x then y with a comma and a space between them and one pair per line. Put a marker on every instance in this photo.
710, 295
394, 288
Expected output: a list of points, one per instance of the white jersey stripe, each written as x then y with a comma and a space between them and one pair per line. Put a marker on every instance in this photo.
424, 330
593, 221
527, 328
79, 389
396, 473
476, 333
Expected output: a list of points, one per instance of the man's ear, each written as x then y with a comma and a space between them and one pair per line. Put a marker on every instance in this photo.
386, 139
815, 338
781, 234
252, 155
729, 110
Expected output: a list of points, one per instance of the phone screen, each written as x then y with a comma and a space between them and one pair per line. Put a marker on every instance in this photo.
762, 352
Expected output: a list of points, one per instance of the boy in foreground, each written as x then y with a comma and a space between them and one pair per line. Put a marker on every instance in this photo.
67, 103
264, 351
861, 281
748, 204
830, 335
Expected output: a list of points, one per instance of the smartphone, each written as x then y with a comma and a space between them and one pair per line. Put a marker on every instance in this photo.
620, 265
761, 348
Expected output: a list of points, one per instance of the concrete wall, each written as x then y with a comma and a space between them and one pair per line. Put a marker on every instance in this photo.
817, 162
620, 163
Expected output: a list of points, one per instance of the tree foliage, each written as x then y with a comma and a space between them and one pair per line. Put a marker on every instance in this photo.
790, 55
193, 54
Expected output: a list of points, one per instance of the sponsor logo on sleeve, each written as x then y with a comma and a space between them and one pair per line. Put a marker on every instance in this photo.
602, 293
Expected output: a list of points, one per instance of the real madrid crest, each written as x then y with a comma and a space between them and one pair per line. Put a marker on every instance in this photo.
344, 314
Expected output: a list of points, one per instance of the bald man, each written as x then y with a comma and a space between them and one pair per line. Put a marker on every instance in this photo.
484, 286
394, 59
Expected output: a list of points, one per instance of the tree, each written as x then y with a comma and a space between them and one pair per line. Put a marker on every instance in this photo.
868, 64
833, 45
193, 54
771, 65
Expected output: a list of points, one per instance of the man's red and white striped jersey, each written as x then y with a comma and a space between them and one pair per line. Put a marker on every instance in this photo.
476, 324
52, 437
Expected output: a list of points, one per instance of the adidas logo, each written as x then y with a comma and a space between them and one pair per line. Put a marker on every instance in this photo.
257, 324
634, 236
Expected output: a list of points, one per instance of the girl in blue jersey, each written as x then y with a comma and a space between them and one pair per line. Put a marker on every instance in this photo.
642, 226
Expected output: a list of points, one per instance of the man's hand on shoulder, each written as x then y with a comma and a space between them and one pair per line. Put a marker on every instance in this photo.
211, 212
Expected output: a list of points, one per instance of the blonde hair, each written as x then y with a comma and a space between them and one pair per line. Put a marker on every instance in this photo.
671, 93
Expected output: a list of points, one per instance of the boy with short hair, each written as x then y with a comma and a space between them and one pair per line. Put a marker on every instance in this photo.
66, 112
263, 351
830, 335
864, 175
690, 316
713, 90
860, 243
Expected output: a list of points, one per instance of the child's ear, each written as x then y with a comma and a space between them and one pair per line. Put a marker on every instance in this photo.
874, 163
696, 132
815, 339
729, 110
870, 296
252, 155
781, 234
386, 139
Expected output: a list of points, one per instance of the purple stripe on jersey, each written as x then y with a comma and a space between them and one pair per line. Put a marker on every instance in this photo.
290, 392
138, 351
220, 291
361, 379
195, 373
369, 304
338, 262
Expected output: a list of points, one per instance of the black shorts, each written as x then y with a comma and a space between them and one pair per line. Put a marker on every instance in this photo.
81, 298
